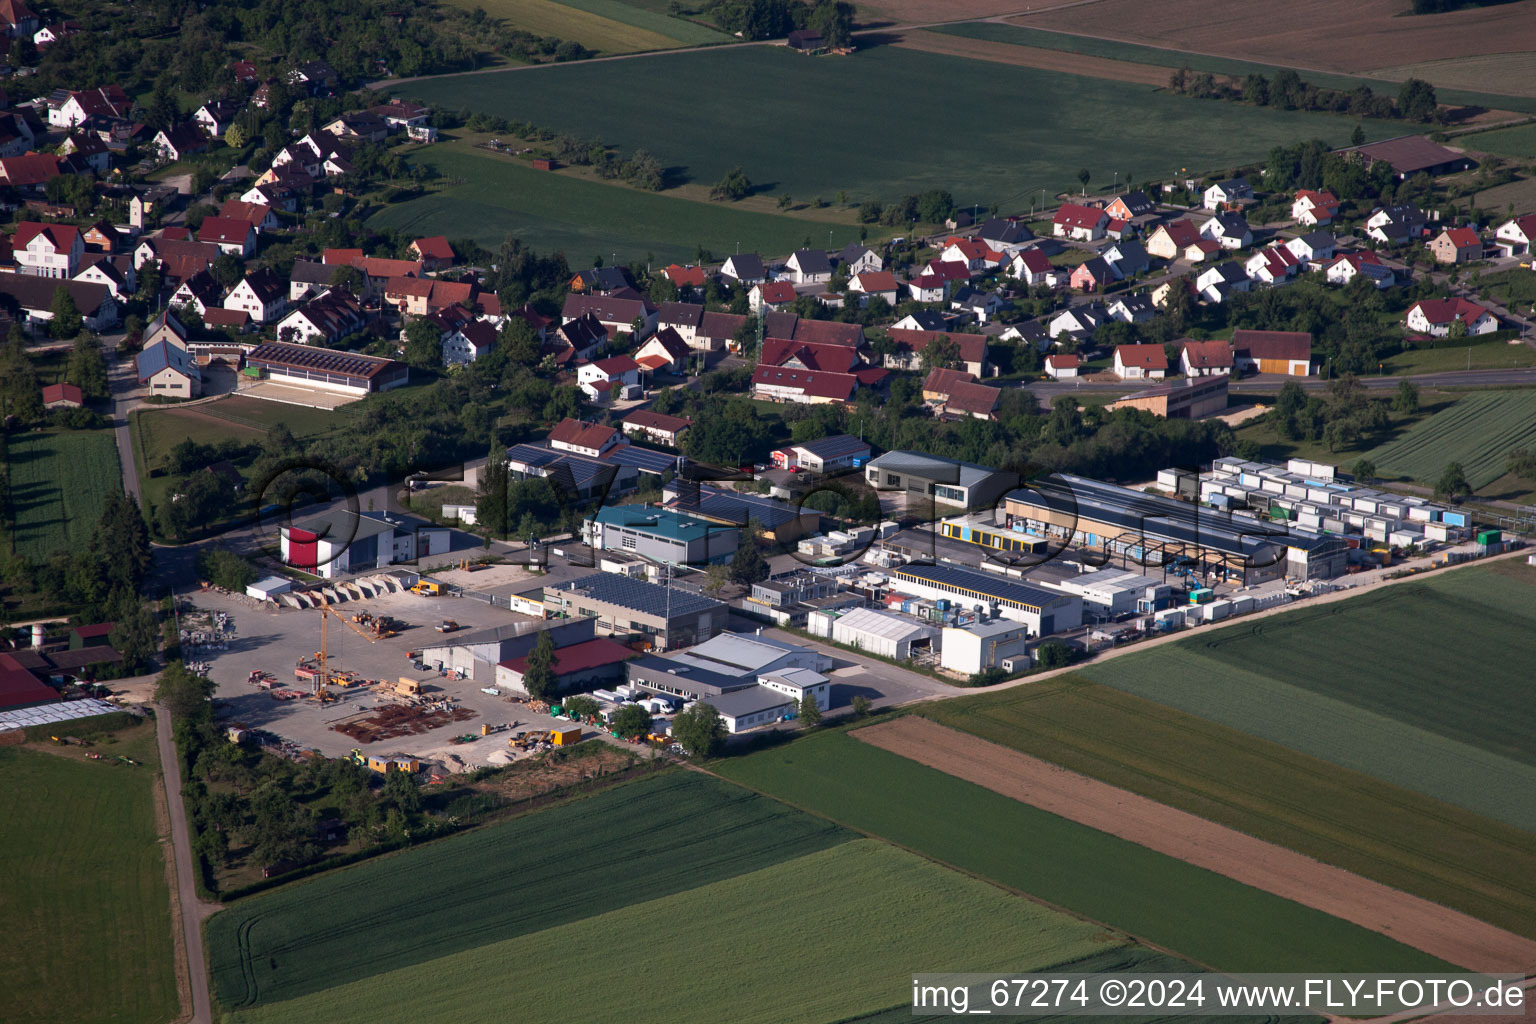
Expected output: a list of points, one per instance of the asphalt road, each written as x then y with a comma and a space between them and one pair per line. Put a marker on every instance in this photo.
191, 908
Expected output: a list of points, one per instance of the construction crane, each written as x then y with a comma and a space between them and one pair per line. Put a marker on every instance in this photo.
322, 694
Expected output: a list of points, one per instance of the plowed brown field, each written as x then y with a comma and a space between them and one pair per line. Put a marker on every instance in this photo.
1413, 921
1033, 57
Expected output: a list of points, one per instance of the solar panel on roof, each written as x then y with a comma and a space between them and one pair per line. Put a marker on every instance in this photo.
647, 459
981, 583
639, 595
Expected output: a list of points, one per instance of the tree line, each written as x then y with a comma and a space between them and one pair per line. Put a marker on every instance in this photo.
1415, 101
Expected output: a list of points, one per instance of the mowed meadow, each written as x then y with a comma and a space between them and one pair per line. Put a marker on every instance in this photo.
884, 122
643, 897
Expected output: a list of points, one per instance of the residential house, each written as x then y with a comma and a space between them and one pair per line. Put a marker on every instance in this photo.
1315, 208
308, 279
977, 256
467, 342
1140, 362
236, 237
771, 295
1062, 366
1437, 318
1227, 193
860, 259
361, 126
608, 380
258, 215
1031, 332
1395, 224
940, 379
927, 320
655, 427
600, 280
17, 19
1272, 265
1316, 246
809, 266
398, 113
246, 73
30, 171
1202, 250
1284, 352
218, 318
805, 387
1092, 275
583, 438
927, 288
1132, 309
881, 284
276, 196
1343, 269
1004, 234
1130, 205
1031, 267
700, 330
179, 142
33, 295
216, 115
1205, 358
1216, 283
47, 250
115, 273
1230, 229
952, 272
16, 135
745, 268
1081, 322
72, 108
664, 351
86, 149
1514, 237
200, 293
1457, 245
981, 306
1168, 241
576, 339
435, 253
169, 371
1080, 223
618, 312
165, 327
1127, 258
333, 315
686, 277
970, 350
262, 294
316, 76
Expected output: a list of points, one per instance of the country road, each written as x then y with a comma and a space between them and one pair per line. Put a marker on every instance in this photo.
190, 909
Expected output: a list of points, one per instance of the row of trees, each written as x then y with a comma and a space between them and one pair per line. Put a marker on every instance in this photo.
772, 19
1416, 100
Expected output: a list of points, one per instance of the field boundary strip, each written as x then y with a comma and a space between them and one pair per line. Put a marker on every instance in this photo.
1439, 931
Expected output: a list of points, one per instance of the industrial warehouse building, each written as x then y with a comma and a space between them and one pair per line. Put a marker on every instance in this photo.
326, 368
662, 535
1111, 593
780, 520
978, 646
943, 481
1152, 530
578, 666
1203, 396
750, 680
477, 655
882, 633
1043, 611
345, 540
669, 616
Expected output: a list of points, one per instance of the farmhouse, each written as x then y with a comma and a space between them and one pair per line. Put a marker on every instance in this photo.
1140, 362
668, 617
617, 313
261, 293
804, 387
34, 296
236, 237
970, 350
1179, 400
1439, 317
1283, 352
331, 316
1412, 154
664, 351
435, 253
326, 369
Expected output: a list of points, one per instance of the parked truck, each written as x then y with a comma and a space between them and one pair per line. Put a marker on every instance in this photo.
428, 588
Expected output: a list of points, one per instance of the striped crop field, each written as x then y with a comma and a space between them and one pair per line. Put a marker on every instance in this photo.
1478, 431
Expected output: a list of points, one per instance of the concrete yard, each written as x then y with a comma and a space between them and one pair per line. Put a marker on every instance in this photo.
274, 641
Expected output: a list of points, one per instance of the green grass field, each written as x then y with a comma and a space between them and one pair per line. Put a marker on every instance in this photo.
678, 30
492, 885
574, 22
1400, 838
1478, 431
1422, 685
85, 905
59, 481
1519, 141
491, 197
1206, 917
1046, 39
815, 938
810, 127
1488, 355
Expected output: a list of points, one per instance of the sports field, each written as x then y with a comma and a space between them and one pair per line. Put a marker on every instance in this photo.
1478, 431
490, 197
59, 480
680, 880
1213, 920
806, 127
85, 905
1422, 684
1419, 845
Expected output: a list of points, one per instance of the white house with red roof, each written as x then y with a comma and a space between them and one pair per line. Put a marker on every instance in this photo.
1515, 237
771, 295
1205, 358
664, 351
236, 237
976, 255
468, 342
1031, 266
1457, 245
108, 102
927, 288
263, 294
1344, 268
659, 428
607, 380
1168, 241
1062, 366
1141, 362
1080, 223
1314, 208
1437, 317
47, 250
260, 216
583, 438
874, 284
1274, 265
435, 253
